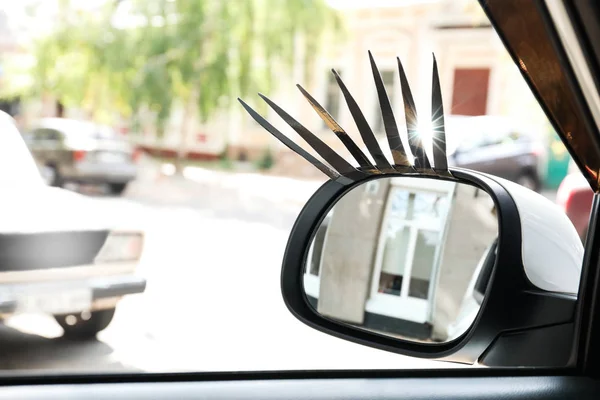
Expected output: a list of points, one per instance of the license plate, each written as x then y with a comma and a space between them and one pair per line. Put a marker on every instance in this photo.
55, 302
106, 157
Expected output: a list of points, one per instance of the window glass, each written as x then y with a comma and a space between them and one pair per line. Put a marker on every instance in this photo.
53, 135
200, 201
41, 134
430, 208
45, 134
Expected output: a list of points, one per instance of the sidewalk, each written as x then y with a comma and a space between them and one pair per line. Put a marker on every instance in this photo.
274, 188
280, 189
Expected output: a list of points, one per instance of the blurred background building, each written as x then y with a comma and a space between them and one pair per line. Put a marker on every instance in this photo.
477, 78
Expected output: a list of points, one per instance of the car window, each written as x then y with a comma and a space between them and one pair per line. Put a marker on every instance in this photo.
54, 135
46, 134
40, 134
198, 199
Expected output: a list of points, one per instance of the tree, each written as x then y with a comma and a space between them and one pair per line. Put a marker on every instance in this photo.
152, 54
213, 51
79, 62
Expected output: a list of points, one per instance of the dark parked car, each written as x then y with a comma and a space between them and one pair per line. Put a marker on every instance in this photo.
497, 146
82, 152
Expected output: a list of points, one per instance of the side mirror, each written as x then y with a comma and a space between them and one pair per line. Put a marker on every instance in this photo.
404, 256
428, 261
470, 269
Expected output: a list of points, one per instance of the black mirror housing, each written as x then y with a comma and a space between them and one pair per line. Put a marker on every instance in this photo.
514, 313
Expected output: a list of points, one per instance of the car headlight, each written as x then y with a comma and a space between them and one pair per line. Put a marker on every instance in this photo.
121, 246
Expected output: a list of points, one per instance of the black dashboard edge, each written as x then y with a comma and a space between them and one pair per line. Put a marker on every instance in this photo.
382, 388
60, 377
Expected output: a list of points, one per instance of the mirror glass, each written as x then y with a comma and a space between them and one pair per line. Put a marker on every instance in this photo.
407, 257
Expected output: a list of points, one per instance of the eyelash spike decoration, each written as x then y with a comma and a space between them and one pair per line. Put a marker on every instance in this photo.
336, 167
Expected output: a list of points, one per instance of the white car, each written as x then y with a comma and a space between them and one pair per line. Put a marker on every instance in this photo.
60, 253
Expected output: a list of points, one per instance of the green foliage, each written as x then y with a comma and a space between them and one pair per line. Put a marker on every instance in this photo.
167, 52
226, 163
266, 161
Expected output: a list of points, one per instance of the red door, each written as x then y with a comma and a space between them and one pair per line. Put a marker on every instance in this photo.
470, 91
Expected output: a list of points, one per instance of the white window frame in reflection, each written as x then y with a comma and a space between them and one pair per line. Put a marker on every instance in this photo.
405, 306
312, 283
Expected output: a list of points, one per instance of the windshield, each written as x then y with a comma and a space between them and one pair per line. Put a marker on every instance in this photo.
200, 213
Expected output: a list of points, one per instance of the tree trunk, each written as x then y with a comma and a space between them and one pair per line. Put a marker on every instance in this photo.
60, 109
186, 128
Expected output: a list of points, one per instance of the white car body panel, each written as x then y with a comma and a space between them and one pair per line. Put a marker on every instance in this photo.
552, 250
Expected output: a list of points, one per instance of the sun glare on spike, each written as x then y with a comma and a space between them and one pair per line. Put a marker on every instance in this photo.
425, 131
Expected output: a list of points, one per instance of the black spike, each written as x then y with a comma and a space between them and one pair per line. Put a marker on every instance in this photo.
389, 122
437, 119
335, 160
363, 126
291, 145
356, 152
410, 112
339, 169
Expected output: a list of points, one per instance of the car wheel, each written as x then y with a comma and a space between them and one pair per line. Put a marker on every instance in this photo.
528, 180
86, 324
117, 188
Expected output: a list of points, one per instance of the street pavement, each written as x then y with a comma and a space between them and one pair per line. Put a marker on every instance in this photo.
212, 259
